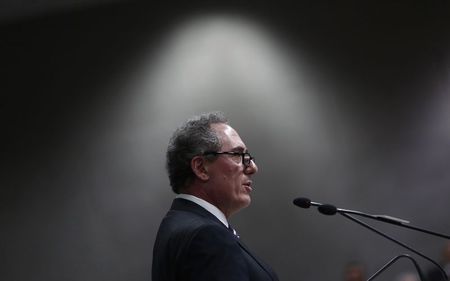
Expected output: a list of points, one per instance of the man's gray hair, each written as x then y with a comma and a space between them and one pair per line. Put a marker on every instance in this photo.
192, 138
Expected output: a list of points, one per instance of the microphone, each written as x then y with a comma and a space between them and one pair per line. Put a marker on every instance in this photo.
325, 209
303, 202
328, 209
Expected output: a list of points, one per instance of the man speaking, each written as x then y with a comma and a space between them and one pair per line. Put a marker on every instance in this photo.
210, 170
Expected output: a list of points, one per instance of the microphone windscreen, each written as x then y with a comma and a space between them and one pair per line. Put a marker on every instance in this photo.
327, 209
302, 202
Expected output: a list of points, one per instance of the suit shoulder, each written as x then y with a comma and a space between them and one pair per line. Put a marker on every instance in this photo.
184, 225
189, 220
181, 230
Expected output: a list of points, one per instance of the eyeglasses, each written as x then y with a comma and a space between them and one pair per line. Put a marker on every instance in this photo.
246, 157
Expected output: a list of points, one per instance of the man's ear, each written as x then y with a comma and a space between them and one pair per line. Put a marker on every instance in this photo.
199, 168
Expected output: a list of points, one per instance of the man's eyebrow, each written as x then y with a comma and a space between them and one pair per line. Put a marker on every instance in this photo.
239, 149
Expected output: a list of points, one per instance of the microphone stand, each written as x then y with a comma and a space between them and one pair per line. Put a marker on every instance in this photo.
328, 209
419, 271
398, 243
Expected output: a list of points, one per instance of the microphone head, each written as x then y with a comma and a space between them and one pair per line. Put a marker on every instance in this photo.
327, 209
302, 202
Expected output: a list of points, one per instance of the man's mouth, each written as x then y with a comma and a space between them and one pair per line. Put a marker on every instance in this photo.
248, 186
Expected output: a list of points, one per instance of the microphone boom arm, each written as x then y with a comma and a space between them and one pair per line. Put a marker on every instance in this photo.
392, 220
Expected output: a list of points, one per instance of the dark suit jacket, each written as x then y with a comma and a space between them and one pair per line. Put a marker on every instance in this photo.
192, 244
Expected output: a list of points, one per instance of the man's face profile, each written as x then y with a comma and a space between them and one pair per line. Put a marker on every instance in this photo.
230, 180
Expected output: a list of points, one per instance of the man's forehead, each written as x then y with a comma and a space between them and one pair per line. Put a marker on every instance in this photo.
229, 137
223, 129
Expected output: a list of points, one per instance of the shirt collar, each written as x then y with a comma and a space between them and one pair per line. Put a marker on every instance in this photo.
205, 204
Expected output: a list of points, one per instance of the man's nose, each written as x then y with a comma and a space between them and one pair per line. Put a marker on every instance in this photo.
252, 168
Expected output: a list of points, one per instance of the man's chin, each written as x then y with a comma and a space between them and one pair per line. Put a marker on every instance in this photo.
246, 201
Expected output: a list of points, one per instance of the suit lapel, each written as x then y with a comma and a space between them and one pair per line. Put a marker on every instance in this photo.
261, 264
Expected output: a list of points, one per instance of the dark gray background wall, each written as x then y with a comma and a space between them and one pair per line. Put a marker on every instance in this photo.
347, 104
